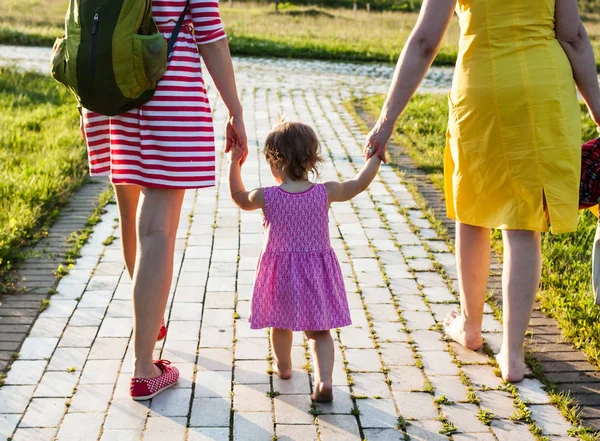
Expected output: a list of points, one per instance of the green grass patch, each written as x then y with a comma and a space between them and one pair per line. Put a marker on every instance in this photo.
565, 292
256, 30
42, 159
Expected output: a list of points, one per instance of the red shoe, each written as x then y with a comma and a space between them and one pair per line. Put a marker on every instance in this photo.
145, 388
163, 331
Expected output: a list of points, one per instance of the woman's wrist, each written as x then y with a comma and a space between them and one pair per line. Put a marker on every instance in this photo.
236, 112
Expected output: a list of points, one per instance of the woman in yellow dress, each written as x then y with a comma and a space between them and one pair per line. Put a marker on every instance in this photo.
513, 154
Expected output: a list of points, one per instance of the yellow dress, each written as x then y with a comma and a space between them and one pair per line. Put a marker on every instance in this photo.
513, 153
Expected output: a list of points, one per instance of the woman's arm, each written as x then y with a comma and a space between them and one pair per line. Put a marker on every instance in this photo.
574, 39
344, 191
217, 58
417, 56
246, 200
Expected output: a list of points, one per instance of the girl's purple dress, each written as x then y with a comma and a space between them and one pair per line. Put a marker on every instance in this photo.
299, 283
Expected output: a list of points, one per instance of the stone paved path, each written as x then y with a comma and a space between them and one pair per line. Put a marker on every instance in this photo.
395, 376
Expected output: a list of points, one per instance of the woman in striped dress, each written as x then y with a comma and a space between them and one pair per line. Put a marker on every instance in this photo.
152, 155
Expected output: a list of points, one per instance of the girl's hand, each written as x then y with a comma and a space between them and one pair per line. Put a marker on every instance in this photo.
237, 155
376, 142
235, 134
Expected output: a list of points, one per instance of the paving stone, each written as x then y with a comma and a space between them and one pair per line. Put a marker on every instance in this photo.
172, 403
208, 434
213, 384
438, 363
363, 360
439, 294
298, 384
296, 432
549, 419
252, 349
48, 327
88, 317
377, 413
100, 372
510, 431
68, 358
428, 340
251, 398
252, 426
466, 356
180, 351
34, 434
390, 332
57, 384
80, 427
44, 412
90, 398
37, 348
464, 417
449, 386
208, 412
60, 308
406, 378
108, 348
415, 405
431, 280
397, 354
418, 320
342, 402
383, 313
499, 403
384, 435
252, 372
532, 391
370, 384
121, 435
338, 428
78, 337
482, 376
161, 428
25, 372
490, 324
426, 431
183, 330
116, 327
293, 409
473, 437
215, 359
126, 414
8, 424
420, 264
356, 338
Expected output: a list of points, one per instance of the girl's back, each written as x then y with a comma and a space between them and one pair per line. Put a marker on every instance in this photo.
296, 222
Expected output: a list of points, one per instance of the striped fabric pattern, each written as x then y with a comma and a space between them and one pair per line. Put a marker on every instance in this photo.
169, 141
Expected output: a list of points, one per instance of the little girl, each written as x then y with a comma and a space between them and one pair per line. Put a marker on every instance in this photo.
299, 284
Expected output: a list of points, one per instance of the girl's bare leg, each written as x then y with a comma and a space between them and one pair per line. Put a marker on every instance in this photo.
281, 341
323, 354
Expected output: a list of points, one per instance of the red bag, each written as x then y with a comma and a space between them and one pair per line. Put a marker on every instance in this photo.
589, 189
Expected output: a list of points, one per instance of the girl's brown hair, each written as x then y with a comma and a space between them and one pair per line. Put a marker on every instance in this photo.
293, 149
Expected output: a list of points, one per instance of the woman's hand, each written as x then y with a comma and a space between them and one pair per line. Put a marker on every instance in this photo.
377, 139
236, 139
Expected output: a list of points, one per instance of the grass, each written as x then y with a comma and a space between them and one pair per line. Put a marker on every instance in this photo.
42, 160
565, 292
256, 30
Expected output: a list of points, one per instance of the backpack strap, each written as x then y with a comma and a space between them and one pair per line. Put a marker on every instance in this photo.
176, 29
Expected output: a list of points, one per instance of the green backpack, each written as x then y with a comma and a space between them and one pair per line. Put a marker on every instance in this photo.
112, 53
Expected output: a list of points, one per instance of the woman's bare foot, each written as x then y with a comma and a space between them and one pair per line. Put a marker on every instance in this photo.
455, 329
513, 368
283, 370
323, 393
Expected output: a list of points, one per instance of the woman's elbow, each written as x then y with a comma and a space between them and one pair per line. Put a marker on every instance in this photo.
575, 39
427, 48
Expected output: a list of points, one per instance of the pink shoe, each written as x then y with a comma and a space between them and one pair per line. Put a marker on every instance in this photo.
142, 389
163, 331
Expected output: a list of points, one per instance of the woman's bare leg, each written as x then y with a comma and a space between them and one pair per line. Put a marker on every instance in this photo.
128, 197
323, 354
281, 341
158, 218
473, 264
520, 281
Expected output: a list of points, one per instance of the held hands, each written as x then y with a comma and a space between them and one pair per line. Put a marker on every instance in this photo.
376, 142
236, 141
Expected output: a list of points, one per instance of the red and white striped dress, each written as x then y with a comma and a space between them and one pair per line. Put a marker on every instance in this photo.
169, 141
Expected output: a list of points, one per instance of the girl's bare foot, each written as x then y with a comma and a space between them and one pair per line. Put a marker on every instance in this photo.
513, 367
455, 329
283, 370
323, 393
